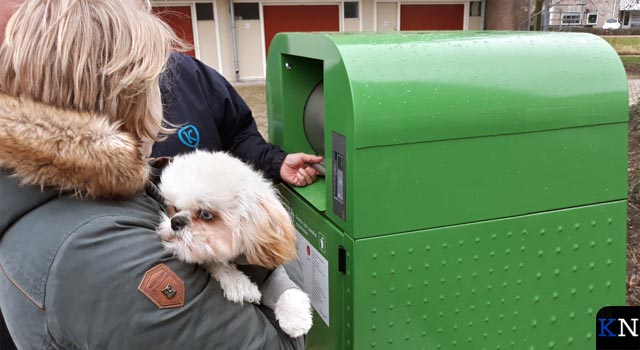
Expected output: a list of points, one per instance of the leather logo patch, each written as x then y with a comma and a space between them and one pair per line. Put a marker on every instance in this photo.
163, 287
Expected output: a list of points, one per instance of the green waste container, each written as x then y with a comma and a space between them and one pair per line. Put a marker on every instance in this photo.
475, 188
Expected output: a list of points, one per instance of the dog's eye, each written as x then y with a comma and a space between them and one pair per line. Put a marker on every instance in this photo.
205, 215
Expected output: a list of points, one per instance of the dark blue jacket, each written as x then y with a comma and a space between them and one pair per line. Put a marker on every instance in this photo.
209, 114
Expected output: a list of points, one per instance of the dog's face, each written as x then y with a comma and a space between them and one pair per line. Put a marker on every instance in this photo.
200, 234
219, 208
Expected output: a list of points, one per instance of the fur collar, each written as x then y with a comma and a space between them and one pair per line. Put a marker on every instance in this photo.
68, 150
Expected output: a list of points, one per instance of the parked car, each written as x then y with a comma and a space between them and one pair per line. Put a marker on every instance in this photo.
612, 23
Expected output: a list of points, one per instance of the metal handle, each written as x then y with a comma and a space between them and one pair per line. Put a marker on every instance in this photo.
319, 167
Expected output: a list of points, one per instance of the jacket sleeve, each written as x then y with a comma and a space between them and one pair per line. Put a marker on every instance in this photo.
93, 301
241, 137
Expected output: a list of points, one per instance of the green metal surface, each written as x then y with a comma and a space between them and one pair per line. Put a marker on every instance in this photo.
486, 184
438, 86
446, 85
532, 282
314, 194
312, 225
433, 184
454, 116
529, 282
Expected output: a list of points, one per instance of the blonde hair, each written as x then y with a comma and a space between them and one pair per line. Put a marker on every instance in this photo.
98, 56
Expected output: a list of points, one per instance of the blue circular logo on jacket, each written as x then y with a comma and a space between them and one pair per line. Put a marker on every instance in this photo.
189, 136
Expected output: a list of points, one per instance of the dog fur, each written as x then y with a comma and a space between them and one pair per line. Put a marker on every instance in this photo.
218, 209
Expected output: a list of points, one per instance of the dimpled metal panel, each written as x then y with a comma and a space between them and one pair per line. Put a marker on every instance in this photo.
529, 282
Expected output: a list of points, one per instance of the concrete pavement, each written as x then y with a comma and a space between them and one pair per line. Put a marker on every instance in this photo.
634, 91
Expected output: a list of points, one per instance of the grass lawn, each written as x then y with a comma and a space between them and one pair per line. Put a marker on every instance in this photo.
631, 66
628, 47
635, 60
624, 45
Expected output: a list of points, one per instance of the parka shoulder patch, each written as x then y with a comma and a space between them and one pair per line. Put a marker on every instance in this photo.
163, 287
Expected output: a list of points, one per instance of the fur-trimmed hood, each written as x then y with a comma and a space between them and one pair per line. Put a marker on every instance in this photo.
69, 151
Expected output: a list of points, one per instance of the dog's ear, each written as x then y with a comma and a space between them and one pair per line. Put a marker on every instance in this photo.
272, 241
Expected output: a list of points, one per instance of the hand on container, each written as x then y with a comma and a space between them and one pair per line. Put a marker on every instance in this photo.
297, 169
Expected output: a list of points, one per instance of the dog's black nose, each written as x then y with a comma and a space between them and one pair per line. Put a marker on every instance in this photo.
178, 222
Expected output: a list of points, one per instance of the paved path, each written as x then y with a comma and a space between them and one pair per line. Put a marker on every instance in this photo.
634, 91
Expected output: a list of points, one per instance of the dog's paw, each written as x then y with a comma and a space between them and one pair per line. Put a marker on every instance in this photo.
293, 312
239, 288
251, 293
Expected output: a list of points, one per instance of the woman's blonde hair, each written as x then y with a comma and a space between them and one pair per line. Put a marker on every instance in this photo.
99, 56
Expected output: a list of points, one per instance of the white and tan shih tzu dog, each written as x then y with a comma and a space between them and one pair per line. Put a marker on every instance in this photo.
220, 209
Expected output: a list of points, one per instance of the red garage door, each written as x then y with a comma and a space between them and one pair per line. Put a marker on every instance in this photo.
312, 18
179, 18
432, 17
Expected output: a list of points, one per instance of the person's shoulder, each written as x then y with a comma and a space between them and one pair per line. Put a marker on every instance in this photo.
141, 211
109, 221
186, 75
184, 61
67, 232
186, 66
105, 237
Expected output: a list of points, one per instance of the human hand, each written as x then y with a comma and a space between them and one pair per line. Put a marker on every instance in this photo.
296, 169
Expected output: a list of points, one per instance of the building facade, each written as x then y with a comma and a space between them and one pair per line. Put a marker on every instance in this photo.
233, 36
556, 14
630, 13
582, 13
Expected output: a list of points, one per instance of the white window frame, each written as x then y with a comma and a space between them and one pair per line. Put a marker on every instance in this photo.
590, 22
480, 8
572, 14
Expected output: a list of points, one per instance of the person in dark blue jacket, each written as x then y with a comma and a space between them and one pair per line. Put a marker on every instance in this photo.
209, 114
